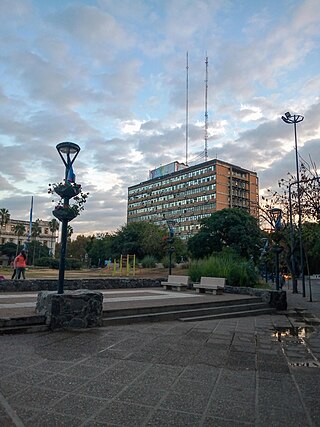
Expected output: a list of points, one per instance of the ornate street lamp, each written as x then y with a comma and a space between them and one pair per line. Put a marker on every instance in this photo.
68, 152
294, 119
276, 214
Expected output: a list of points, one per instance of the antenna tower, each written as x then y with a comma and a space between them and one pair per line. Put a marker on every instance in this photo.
206, 114
187, 108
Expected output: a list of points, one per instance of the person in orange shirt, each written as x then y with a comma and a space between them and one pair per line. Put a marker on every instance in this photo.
21, 263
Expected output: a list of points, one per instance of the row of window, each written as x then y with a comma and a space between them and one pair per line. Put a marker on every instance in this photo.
163, 182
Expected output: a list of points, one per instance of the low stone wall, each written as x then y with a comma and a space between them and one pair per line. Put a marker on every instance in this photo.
37, 285
276, 299
73, 309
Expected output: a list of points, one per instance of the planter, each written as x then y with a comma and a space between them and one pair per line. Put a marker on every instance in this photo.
67, 191
64, 213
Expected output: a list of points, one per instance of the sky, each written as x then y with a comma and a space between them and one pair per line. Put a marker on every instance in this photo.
111, 76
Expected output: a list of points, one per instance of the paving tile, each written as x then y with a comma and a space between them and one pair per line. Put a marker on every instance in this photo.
244, 412
195, 401
52, 419
140, 394
219, 422
101, 389
78, 406
165, 418
279, 417
121, 415
35, 397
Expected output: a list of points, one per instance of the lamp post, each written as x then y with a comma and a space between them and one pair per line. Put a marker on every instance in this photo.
170, 225
68, 152
294, 279
263, 256
276, 214
293, 263
294, 119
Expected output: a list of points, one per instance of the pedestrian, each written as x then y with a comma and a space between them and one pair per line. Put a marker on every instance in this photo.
21, 264
14, 266
282, 281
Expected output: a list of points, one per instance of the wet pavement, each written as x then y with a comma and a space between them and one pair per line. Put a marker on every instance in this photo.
252, 371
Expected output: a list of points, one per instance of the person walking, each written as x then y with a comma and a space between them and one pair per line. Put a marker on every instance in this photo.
21, 264
14, 266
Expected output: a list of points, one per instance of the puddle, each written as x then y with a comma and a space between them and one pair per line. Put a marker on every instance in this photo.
299, 334
293, 331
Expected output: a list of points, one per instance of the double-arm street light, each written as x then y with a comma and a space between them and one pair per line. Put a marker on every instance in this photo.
294, 119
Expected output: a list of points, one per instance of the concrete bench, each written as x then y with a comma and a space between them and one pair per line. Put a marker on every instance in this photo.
210, 284
176, 282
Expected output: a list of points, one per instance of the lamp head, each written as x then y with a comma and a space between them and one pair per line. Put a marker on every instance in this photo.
65, 150
288, 115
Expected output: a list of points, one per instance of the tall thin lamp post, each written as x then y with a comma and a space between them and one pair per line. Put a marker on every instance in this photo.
293, 264
276, 214
170, 225
294, 119
292, 232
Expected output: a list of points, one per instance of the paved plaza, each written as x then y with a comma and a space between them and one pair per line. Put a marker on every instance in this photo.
252, 371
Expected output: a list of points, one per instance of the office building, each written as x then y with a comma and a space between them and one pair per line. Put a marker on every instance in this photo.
185, 195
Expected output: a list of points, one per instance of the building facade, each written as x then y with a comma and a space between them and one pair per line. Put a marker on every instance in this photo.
189, 194
7, 233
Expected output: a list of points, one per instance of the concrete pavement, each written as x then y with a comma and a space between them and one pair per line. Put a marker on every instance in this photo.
253, 371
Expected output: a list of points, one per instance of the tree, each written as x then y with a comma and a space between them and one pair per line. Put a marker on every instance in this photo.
69, 231
53, 227
4, 218
140, 238
19, 230
36, 231
228, 228
99, 249
77, 248
9, 249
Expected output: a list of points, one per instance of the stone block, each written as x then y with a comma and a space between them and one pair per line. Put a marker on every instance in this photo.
73, 309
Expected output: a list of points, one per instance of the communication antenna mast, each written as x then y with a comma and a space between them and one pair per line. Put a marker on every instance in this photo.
187, 108
206, 114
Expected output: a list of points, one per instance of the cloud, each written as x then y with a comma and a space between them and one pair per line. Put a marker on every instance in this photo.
113, 80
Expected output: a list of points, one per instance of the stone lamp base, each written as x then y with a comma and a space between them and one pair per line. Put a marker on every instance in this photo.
73, 309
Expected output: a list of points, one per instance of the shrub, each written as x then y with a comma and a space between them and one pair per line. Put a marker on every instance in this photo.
165, 262
47, 262
71, 263
148, 262
236, 270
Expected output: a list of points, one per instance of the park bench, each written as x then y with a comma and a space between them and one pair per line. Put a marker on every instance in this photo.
176, 282
210, 284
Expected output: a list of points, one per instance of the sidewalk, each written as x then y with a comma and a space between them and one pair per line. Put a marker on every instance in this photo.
256, 371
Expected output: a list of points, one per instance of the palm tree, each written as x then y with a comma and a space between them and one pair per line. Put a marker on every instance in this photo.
19, 230
4, 219
69, 231
36, 231
53, 227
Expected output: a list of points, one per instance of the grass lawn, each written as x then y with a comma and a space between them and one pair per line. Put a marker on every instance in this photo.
47, 273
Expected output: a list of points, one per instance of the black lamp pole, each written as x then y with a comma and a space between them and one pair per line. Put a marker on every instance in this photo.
294, 279
294, 119
170, 241
66, 149
293, 263
277, 216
